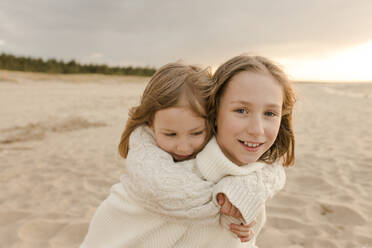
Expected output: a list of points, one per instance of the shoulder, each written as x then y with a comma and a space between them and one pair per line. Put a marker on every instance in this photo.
275, 169
274, 177
143, 147
140, 136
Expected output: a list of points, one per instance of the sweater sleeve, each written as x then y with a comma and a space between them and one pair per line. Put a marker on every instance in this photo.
249, 192
163, 186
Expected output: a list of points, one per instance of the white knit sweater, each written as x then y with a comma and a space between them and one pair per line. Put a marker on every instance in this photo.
160, 203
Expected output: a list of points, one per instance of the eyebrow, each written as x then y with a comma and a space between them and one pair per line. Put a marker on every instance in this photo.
269, 105
192, 130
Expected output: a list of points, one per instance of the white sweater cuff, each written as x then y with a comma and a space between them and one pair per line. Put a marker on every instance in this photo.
248, 203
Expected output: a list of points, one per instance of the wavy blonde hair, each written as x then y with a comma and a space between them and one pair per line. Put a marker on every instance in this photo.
284, 144
168, 85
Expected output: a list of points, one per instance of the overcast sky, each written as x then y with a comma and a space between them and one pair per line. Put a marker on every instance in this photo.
152, 33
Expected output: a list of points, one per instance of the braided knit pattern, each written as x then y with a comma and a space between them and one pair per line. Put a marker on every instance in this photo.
163, 186
163, 204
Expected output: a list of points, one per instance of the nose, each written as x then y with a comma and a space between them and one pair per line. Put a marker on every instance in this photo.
255, 126
184, 147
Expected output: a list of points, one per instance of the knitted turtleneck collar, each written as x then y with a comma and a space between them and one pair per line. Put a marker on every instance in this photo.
213, 164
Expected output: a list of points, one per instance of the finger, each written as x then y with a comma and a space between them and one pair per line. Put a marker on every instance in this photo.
250, 225
246, 238
243, 228
240, 233
236, 213
233, 211
226, 208
220, 199
243, 240
243, 236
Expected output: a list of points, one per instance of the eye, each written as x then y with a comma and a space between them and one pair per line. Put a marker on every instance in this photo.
170, 134
241, 111
270, 114
197, 133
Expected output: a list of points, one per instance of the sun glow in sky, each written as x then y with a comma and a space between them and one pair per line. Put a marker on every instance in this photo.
351, 64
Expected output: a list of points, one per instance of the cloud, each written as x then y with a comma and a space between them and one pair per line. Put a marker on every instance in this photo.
204, 32
2, 42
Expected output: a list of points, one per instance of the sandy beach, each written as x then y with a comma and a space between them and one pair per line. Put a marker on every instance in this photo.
58, 160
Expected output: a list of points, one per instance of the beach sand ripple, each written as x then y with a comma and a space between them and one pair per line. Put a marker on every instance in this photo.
58, 160
38, 131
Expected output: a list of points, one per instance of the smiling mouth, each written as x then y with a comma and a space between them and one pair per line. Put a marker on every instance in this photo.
251, 146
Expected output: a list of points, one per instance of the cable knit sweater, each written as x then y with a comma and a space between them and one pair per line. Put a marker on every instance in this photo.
160, 203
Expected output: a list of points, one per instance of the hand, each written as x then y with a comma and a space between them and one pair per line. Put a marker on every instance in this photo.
244, 232
227, 208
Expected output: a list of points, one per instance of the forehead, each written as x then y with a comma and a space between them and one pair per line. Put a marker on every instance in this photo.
255, 87
177, 118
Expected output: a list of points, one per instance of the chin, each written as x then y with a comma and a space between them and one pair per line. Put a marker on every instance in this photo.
249, 160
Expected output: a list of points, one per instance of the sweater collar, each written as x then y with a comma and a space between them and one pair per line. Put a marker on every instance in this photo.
213, 164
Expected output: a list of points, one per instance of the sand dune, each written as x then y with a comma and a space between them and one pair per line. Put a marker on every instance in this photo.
58, 160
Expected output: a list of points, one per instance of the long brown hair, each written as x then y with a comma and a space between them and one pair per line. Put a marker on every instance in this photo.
284, 144
165, 89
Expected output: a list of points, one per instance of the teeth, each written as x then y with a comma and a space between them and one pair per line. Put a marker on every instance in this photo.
250, 144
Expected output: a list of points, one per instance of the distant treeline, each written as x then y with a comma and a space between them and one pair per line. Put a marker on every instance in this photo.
11, 62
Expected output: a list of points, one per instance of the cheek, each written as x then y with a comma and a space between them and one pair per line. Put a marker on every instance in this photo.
201, 142
226, 122
163, 143
231, 127
273, 130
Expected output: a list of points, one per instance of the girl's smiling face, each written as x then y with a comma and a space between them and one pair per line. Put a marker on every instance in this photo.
179, 131
249, 116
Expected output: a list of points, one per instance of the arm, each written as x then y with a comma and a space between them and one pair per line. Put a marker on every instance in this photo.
243, 232
248, 193
246, 187
164, 187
